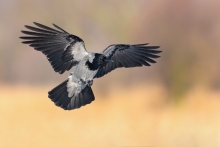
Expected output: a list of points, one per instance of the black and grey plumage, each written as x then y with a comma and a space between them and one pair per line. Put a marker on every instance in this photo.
64, 51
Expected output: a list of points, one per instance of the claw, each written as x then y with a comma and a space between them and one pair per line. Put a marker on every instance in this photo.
70, 74
90, 83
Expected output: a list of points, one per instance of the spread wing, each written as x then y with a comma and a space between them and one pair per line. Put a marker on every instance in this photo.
63, 50
128, 56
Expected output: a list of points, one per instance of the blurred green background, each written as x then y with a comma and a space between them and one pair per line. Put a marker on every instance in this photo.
134, 107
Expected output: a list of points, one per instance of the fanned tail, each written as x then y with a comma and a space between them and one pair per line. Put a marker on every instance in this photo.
59, 96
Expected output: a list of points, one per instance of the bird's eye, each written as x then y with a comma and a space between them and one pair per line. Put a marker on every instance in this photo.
102, 58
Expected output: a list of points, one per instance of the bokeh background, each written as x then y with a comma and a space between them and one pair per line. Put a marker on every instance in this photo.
175, 102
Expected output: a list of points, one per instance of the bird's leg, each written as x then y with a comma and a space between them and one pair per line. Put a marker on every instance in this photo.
70, 74
90, 82
82, 81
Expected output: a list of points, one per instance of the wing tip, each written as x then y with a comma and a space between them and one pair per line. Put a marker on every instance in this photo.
141, 44
56, 26
36, 23
145, 45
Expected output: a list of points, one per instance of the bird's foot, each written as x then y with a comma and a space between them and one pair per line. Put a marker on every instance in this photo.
90, 82
70, 74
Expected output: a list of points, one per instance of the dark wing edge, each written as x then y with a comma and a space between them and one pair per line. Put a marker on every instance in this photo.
59, 96
56, 44
128, 56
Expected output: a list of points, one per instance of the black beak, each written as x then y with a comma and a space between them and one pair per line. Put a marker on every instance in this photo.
109, 60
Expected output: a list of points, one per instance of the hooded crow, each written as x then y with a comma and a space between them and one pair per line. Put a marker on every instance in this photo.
64, 51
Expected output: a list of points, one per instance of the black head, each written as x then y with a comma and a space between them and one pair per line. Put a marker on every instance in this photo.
98, 61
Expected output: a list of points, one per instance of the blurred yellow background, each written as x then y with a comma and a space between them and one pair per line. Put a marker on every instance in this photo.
175, 102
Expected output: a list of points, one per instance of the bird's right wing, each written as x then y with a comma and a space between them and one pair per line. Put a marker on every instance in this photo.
124, 55
63, 50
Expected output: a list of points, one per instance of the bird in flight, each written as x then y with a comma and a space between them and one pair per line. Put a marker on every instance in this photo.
65, 51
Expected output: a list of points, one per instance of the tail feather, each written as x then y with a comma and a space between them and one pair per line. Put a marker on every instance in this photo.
58, 88
85, 97
59, 96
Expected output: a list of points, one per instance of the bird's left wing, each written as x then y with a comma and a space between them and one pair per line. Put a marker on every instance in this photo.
124, 55
63, 50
